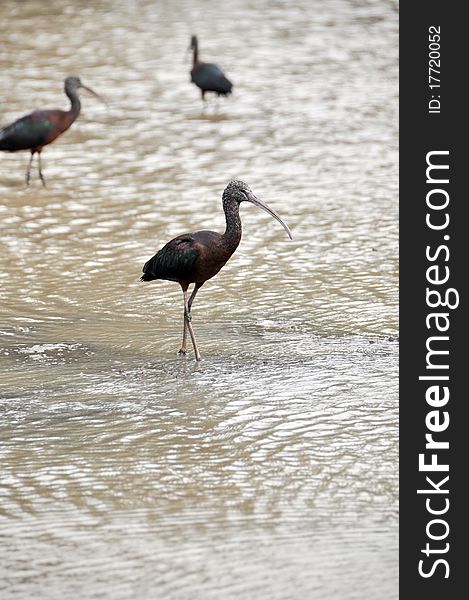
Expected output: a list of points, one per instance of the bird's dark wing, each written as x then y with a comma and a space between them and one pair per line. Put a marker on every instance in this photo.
173, 262
30, 131
211, 78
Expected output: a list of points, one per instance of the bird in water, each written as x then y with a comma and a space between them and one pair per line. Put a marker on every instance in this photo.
197, 257
207, 76
34, 131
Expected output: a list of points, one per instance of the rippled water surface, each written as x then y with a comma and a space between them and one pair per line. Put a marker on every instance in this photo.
269, 470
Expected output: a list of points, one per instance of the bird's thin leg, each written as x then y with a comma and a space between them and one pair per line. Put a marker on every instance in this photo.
187, 319
183, 349
192, 296
40, 169
194, 343
28, 170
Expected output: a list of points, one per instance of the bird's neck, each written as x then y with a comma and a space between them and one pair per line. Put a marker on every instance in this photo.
75, 104
233, 231
195, 54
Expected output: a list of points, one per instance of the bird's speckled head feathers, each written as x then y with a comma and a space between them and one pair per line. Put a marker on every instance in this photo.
236, 190
72, 83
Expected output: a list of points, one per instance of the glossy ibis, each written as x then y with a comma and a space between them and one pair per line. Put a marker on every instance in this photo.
207, 76
41, 127
197, 257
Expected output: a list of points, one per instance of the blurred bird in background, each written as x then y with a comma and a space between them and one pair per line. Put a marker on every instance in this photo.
41, 127
207, 76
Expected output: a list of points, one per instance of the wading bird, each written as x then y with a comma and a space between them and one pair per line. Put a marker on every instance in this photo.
197, 257
207, 76
41, 127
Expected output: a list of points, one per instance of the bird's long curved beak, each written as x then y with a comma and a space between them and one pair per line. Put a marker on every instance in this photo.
93, 93
255, 200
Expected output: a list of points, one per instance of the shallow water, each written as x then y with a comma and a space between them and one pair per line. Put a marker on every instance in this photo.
269, 470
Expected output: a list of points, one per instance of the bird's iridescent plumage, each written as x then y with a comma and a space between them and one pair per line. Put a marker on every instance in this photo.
197, 257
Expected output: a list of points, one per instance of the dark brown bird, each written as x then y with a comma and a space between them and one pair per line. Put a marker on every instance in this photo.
207, 76
197, 257
36, 130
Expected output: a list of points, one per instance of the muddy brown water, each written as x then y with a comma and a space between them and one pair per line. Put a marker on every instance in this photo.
269, 470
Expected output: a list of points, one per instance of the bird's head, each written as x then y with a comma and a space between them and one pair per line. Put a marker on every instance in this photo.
238, 191
194, 43
72, 84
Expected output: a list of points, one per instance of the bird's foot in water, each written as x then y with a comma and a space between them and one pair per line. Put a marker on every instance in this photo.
182, 352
